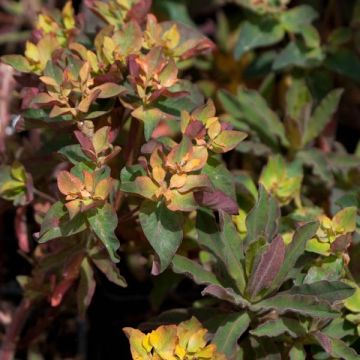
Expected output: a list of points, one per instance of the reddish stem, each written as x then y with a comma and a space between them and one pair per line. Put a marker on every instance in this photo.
13, 332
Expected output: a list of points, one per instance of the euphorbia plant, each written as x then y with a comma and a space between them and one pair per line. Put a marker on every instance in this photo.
128, 165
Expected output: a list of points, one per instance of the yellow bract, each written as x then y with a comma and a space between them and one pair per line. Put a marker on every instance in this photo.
186, 341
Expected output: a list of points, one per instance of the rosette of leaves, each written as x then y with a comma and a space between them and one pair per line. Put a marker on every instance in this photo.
151, 76
263, 280
207, 130
118, 12
36, 56
178, 41
334, 235
52, 31
61, 25
282, 180
71, 91
85, 208
185, 341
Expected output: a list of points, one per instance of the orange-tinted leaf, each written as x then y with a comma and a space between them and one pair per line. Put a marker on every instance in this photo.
69, 183
109, 90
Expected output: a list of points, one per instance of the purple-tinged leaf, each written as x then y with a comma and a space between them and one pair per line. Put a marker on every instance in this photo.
336, 348
324, 341
216, 200
294, 250
268, 267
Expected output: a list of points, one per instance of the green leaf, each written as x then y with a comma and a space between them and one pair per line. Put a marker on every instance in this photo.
339, 328
163, 229
262, 31
57, 224
262, 219
18, 62
296, 54
233, 250
75, 155
249, 107
151, 117
86, 288
225, 244
294, 250
228, 333
300, 304
103, 221
193, 270
327, 291
226, 294
344, 62
176, 11
319, 164
295, 19
297, 352
219, 176
298, 98
311, 36
174, 105
101, 260
281, 326
322, 115
332, 268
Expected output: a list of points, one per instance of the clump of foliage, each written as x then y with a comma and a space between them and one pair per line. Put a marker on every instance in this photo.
151, 149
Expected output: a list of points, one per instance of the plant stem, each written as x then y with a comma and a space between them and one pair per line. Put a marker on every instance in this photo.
132, 150
13, 332
44, 196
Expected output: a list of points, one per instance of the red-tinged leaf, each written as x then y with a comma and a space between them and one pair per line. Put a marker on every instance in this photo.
294, 250
22, 229
69, 183
86, 144
216, 200
60, 291
109, 90
139, 10
70, 275
336, 348
43, 99
324, 341
268, 267
194, 129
